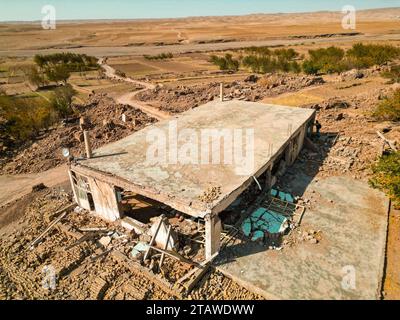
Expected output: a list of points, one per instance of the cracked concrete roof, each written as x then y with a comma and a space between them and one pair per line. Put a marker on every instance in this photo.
173, 183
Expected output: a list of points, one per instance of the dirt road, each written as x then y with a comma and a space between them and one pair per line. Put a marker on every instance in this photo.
112, 51
130, 97
13, 187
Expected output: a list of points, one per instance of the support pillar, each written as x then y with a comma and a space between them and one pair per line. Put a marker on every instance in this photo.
268, 181
87, 144
213, 235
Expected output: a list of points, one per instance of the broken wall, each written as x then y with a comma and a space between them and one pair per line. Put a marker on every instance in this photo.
95, 195
105, 200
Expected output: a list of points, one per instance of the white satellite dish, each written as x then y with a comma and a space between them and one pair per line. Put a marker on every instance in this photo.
65, 152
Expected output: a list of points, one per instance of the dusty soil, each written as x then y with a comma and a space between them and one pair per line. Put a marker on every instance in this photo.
202, 30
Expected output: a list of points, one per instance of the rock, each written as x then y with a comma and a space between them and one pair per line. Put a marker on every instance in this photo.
105, 241
339, 117
251, 78
313, 241
353, 74
38, 187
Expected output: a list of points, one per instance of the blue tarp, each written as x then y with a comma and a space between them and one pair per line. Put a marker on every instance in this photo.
284, 196
261, 221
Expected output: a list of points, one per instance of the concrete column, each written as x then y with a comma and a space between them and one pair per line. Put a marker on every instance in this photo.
289, 153
268, 180
221, 92
213, 235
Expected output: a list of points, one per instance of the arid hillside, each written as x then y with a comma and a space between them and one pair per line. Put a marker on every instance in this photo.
200, 30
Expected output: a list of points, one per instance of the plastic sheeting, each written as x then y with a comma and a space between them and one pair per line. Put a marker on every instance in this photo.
262, 221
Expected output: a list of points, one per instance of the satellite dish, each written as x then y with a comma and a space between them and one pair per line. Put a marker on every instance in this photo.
65, 152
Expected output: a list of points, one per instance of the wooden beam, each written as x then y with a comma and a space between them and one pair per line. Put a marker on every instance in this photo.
390, 143
34, 242
153, 239
166, 246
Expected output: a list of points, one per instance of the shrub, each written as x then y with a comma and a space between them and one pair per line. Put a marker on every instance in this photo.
326, 60
389, 108
263, 60
225, 63
310, 67
393, 74
386, 175
162, 56
364, 56
25, 117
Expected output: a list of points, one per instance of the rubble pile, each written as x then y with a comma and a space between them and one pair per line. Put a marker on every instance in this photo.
181, 98
212, 193
302, 236
105, 122
348, 143
79, 253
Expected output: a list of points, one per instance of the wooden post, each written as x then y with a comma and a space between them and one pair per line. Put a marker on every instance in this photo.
87, 144
213, 235
153, 239
166, 245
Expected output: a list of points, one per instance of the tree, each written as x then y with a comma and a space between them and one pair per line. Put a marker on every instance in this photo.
61, 100
58, 73
35, 77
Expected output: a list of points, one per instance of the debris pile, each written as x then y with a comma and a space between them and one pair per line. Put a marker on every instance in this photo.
211, 194
181, 98
107, 122
84, 257
348, 142
302, 236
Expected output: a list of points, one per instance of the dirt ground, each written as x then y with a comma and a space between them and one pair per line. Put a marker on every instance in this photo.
211, 30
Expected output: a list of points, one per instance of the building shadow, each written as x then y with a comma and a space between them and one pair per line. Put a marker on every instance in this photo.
295, 180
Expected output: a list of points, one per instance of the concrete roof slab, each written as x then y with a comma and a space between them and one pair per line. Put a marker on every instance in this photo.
127, 159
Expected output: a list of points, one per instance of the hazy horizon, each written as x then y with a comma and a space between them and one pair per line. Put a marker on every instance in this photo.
30, 10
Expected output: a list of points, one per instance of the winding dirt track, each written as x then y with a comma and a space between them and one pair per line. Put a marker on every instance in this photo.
130, 97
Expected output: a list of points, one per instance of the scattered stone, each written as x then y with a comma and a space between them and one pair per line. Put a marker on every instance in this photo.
38, 187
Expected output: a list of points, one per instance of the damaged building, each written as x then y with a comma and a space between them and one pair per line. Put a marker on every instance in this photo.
118, 182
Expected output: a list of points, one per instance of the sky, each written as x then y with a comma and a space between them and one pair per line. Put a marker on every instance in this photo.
30, 10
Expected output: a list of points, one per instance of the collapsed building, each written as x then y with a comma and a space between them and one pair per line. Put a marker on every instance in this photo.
197, 164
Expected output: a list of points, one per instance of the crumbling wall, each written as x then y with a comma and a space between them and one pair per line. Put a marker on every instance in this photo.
105, 199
